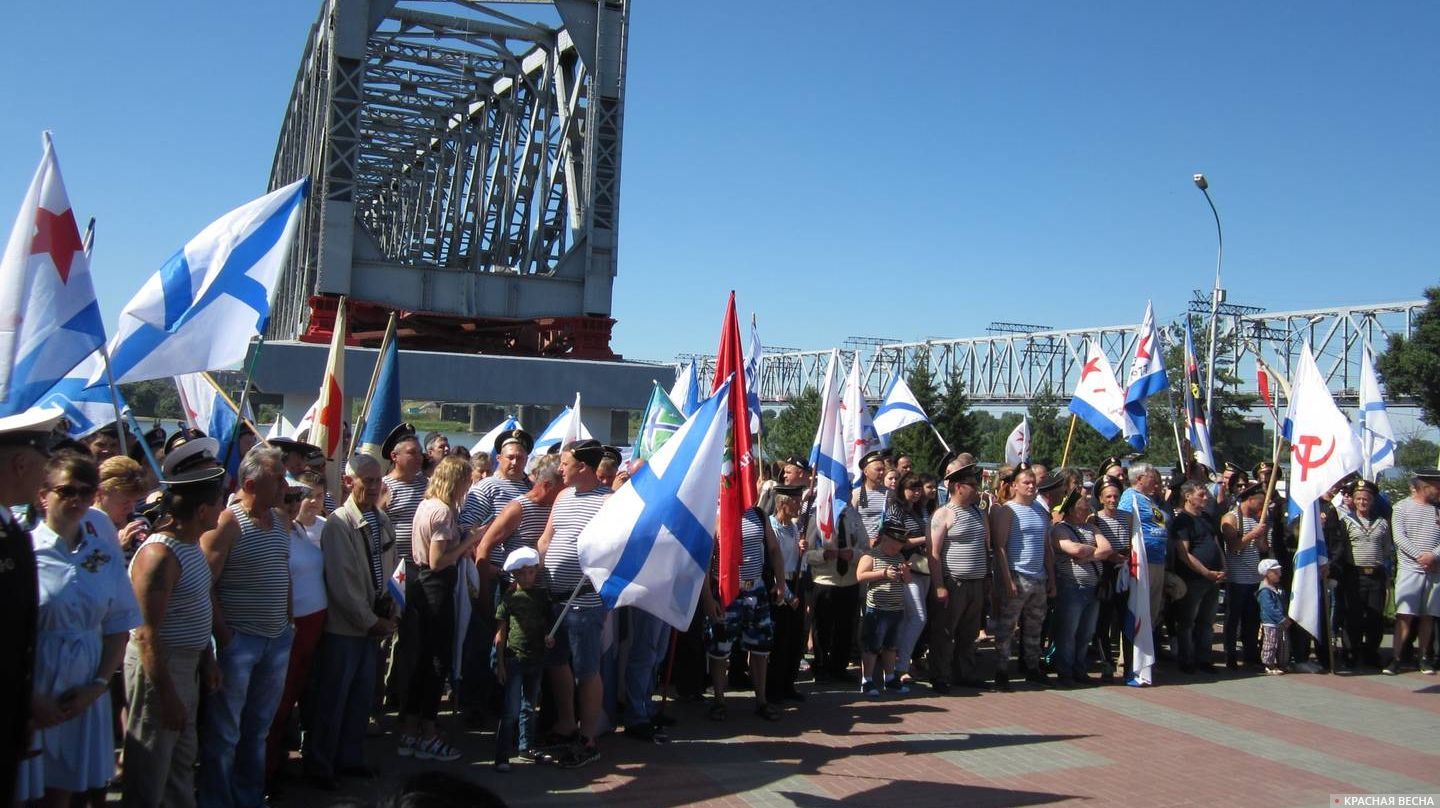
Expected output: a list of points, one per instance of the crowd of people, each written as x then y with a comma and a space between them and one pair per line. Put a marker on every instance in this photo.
198, 626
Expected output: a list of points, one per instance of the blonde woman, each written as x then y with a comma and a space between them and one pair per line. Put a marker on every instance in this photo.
436, 544
122, 485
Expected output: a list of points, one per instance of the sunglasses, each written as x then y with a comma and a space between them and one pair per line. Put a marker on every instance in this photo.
72, 491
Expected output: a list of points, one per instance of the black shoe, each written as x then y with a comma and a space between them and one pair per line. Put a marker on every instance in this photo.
646, 732
1002, 682
535, 756
579, 755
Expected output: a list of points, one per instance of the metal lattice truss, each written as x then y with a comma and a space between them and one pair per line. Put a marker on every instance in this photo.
465, 160
1010, 369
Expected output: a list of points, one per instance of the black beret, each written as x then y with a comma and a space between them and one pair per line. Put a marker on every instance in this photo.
792, 460
587, 450
873, 455
403, 432
510, 436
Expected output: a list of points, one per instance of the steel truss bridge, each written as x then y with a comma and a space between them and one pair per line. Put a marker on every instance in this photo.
465, 168
1016, 363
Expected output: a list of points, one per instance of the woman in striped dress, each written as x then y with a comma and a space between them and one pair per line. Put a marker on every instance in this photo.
908, 508
1246, 536
170, 653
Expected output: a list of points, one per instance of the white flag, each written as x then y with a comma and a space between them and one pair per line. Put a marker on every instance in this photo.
856, 426
1134, 579
899, 409
1323, 447
1377, 438
565, 428
201, 309
1017, 446
1099, 400
1306, 591
650, 544
827, 454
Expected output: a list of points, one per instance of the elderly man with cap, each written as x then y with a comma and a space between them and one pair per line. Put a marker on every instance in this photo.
1246, 538
358, 543
1365, 582
960, 562
574, 662
25, 441
1415, 525
249, 556
170, 653
485, 501
870, 498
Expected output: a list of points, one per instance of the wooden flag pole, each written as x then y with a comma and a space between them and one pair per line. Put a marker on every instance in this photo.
1065, 456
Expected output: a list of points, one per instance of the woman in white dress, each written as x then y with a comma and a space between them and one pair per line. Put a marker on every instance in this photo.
87, 606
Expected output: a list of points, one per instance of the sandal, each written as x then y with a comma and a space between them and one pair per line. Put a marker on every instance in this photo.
767, 711
718, 711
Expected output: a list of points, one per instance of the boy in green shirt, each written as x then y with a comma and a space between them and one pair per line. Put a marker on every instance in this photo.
520, 642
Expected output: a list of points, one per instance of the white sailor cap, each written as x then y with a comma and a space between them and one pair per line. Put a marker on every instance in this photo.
520, 558
34, 427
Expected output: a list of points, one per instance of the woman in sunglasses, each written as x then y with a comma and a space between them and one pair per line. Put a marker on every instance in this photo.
87, 606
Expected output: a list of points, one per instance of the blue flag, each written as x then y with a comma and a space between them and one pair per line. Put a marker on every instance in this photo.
384, 413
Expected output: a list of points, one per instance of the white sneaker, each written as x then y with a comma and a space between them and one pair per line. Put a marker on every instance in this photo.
435, 748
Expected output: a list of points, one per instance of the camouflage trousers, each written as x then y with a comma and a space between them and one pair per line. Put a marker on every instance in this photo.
1029, 602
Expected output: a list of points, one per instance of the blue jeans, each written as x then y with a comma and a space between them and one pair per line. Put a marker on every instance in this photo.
342, 688
237, 719
649, 637
522, 700
1076, 610
578, 642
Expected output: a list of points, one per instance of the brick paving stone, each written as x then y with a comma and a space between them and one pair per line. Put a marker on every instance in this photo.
1203, 741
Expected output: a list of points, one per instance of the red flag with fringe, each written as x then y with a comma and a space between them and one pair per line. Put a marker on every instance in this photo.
737, 480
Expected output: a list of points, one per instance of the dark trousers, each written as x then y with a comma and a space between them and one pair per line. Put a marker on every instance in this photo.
789, 623
477, 690
342, 688
836, 610
1196, 630
432, 597
1242, 617
1365, 616
954, 625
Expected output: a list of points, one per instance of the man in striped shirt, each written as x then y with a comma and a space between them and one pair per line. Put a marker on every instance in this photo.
960, 555
870, 498
249, 557
485, 501
575, 660
405, 490
1415, 525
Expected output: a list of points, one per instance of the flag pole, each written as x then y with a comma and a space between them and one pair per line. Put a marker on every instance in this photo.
145, 447
1065, 456
88, 246
374, 381
568, 601
228, 400
939, 437
240, 419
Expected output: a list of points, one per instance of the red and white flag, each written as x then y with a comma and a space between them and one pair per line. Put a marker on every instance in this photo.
328, 430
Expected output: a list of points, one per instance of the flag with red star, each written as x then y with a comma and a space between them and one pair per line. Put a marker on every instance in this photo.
1098, 399
49, 320
1147, 377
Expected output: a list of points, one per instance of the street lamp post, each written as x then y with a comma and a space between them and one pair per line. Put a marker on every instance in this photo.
1217, 296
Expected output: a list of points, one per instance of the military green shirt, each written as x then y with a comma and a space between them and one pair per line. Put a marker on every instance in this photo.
527, 612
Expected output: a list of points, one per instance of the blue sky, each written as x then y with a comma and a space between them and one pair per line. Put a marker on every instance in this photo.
911, 170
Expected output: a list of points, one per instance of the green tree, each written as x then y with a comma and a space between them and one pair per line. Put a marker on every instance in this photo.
953, 418
1416, 453
1411, 366
793, 431
1047, 432
917, 440
157, 398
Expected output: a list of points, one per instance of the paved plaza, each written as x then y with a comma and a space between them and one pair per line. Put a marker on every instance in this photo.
1228, 739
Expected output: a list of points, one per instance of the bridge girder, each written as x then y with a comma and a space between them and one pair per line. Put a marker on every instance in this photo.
466, 167
1011, 369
